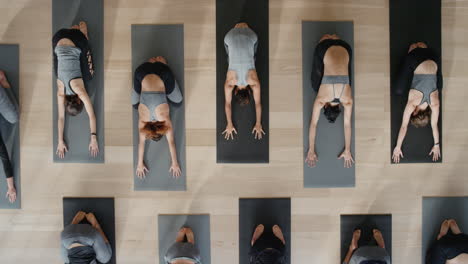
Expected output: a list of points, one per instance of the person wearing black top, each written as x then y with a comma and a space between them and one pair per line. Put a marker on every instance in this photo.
451, 246
419, 78
267, 246
332, 82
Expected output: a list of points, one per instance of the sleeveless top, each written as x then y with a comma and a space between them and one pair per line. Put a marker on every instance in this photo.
69, 66
153, 100
426, 84
241, 45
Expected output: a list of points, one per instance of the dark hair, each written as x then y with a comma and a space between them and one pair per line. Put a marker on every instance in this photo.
268, 256
155, 130
422, 118
331, 112
73, 104
243, 95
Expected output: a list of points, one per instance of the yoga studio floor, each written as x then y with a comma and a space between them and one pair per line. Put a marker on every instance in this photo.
31, 235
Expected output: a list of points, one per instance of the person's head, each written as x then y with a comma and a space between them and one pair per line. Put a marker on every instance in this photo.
417, 45
243, 94
421, 117
331, 112
269, 256
73, 104
155, 130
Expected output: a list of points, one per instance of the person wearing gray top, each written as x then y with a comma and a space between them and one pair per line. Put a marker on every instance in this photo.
85, 243
153, 85
184, 250
367, 254
9, 111
420, 79
241, 79
73, 65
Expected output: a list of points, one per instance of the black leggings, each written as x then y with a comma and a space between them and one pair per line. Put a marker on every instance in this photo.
81, 42
5, 159
448, 247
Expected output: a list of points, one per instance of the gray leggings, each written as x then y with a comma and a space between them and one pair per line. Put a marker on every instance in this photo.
87, 236
9, 111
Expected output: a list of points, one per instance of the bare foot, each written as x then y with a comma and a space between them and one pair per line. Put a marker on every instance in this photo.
3, 80
190, 235
75, 27
454, 227
278, 233
78, 217
329, 36
152, 60
83, 28
379, 238
354, 242
258, 232
181, 235
444, 227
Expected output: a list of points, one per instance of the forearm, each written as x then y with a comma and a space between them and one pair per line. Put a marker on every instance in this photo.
348, 134
141, 152
435, 134
401, 137
172, 149
348, 256
228, 111
258, 112
312, 133
60, 129
92, 123
10, 182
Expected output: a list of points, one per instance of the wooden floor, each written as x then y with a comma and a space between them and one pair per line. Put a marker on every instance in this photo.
31, 235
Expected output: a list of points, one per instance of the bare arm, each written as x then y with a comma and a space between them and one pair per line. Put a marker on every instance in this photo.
434, 122
141, 143
348, 256
171, 142
404, 124
348, 112
227, 104
61, 117
90, 110
313, 124
258, 102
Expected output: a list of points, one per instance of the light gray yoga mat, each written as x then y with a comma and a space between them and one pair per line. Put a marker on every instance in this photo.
167, 41
169, 226
435, 211
329, 142
66, 13
9, 63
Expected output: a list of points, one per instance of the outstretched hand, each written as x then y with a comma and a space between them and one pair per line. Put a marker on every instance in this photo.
229, 132
93, 147
258, 131
311, 158
397, 155
61, 149
348, 158
11, 194
175, 170
435, 152
141, 171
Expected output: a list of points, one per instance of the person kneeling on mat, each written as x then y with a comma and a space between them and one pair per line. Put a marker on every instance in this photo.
73, 65
9, 111
422, 76
367, 254
183, 251
451, 246
267, 246
331, 81
85, 243
154, 83
241, 78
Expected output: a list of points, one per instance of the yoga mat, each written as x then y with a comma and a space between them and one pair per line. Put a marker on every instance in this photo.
266, 211
329, 142
410, 22
366, 223
66, 13
435, 211
169, 226
9, 63
146, 43
102, 208
244, 148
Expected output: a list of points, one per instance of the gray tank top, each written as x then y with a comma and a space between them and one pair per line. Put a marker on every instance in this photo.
426, 84
69, 68
336, 79
241, 45
153, 100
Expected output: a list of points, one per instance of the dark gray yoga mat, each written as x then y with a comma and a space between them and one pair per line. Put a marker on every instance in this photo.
329, 142
435, 211
167, 41
410, 22
244, 148
266, 211
66, 13
9, 63
366, 223
169, 226
102, 208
